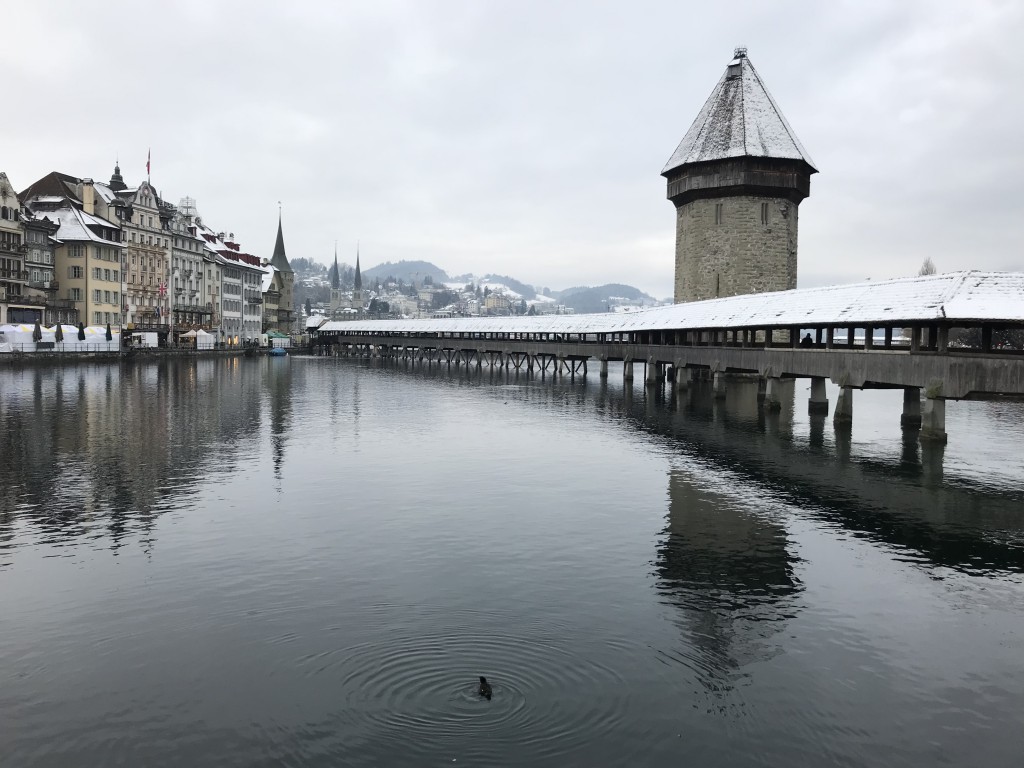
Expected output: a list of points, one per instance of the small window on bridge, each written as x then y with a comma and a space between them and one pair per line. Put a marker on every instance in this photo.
718, 213
764, 214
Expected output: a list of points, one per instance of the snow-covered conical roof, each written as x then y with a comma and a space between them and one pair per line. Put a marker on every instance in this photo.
739, 119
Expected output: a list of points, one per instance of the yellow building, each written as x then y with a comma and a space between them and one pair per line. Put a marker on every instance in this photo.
88, 264
87, 248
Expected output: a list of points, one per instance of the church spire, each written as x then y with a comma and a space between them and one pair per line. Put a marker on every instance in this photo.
359, 277
280, 260
335, 270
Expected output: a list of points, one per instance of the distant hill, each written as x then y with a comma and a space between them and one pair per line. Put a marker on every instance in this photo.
408, 271
526, 291
584, 299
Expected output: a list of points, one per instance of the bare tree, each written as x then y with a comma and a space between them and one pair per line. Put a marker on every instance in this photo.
927, 267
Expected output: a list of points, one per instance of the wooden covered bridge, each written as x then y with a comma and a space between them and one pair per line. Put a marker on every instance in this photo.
950, 336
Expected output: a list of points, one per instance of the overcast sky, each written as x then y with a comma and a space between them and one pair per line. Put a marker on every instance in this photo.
527, 138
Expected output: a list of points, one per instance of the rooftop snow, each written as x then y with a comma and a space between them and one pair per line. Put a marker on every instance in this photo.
73, 225
739, 119
967, 296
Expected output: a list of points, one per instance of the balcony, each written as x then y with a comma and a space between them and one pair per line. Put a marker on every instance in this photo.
44, 285
198, 309
13, 274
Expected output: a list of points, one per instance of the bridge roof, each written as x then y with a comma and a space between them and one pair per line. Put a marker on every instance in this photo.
970, 297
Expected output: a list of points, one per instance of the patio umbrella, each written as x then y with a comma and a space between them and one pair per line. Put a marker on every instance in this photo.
81, 332
37, 333
109, 334
58, 333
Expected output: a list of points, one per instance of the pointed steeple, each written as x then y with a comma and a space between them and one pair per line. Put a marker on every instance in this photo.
359, 277
116, 180
739, 119
335, 270
280, 260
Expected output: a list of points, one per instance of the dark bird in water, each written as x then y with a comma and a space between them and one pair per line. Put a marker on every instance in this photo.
485, 688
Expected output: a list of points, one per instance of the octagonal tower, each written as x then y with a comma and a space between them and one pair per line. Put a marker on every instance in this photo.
737, 179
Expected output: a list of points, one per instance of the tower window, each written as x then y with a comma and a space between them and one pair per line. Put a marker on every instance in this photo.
718, 213
764, 214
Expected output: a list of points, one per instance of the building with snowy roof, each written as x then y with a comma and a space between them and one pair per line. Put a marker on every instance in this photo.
737, 179
278, 289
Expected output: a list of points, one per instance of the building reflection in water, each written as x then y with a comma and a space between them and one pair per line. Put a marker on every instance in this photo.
279, 382
902, 500
98, 452
726, 565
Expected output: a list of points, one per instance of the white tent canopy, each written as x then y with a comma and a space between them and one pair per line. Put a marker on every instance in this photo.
19, 339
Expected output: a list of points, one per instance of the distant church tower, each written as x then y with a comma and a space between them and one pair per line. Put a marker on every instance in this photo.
335, 275
737, 179
286, 312
358, 300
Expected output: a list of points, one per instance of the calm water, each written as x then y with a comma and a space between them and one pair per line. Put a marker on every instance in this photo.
309, 562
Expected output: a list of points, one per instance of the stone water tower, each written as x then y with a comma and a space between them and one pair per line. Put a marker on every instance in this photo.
737, 179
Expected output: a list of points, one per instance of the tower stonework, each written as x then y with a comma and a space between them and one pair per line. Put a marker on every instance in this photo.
737, 179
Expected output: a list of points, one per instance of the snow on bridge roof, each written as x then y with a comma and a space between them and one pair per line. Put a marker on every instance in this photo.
964, 296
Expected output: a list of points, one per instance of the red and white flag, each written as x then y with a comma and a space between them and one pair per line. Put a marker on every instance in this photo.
148, 153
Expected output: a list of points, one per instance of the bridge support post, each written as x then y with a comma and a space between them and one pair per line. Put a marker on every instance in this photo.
718, 385
933, 420
818, 402
843, 417
651, 379
772, 401
762, 388
604, 368
627, 370
911, 417
683, 377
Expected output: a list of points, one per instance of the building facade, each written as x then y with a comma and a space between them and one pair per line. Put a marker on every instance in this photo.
87, 259
145, 222
191, 306
13, 274
737, 179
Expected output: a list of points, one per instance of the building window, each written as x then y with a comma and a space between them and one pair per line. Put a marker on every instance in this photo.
117, 276
76, 251
116, 298
75, 294
76, 273
106, 274
97, 318
96, 295
106, 297
764, 214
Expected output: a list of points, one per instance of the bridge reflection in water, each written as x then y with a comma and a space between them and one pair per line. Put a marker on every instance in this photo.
897, 495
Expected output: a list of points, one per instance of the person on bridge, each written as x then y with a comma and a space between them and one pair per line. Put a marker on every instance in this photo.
806, 341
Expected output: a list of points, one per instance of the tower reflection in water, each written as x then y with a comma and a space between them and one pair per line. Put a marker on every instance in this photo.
727, 566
